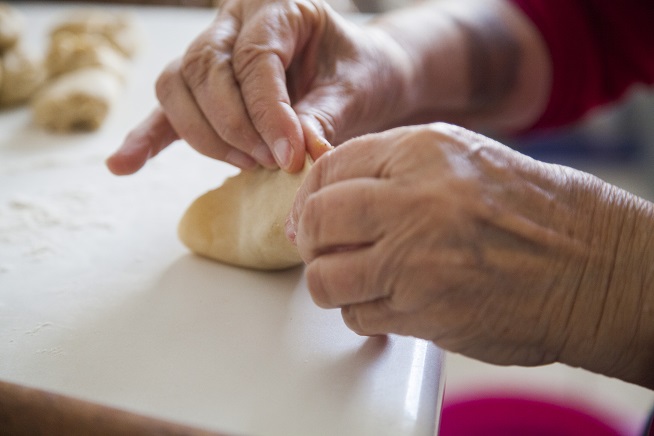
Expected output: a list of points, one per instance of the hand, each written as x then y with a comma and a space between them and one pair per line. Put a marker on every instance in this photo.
439, 233
266, 80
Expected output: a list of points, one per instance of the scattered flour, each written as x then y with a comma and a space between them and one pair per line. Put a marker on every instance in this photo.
37, 227
50, 162
38, 328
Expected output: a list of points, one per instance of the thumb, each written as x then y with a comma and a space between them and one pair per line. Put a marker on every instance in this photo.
314, 137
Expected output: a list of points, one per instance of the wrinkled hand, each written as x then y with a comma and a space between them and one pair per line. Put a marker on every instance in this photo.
439, 233
268, 80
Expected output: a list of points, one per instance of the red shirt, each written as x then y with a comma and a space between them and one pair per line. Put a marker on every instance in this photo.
599, 49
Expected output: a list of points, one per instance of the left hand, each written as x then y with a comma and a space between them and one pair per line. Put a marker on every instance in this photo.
443, 234
274, 77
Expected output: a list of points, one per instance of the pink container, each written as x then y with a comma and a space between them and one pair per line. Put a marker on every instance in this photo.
507, 415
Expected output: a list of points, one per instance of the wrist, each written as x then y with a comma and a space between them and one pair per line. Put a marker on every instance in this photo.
400, 72
631, 319
483, 67
610, 329
435, 60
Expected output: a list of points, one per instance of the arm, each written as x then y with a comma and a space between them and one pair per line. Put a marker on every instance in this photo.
270, 78
443, 234
523, 64
478, 63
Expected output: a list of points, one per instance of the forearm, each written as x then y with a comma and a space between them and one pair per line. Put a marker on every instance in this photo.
610, 326
478, 63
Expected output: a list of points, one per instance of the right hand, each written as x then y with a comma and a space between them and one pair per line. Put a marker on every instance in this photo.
443, 234
268, 80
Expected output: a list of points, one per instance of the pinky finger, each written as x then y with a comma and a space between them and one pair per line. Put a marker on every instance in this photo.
370, 319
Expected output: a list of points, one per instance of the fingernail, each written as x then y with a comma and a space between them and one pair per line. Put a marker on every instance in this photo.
291, 231
263, 155
240, 159
282, 150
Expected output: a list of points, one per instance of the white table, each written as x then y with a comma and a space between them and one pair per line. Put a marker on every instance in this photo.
100, 301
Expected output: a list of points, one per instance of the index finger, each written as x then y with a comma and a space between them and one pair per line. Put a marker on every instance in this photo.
356, 158
263, 51
207, 73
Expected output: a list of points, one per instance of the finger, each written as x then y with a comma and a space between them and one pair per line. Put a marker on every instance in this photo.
208, 73
353, 159
314, 138
345, 277
271, 112
261, 73
190, 123
371, 318
317, 146
144, 142
341, 214
327, 106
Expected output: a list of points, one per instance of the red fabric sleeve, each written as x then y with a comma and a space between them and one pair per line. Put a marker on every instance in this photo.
598, 49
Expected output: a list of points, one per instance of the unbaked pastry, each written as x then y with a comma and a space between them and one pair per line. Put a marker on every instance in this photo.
242, 222
22, 76
118, 27
70, 51
11, 27
76, 101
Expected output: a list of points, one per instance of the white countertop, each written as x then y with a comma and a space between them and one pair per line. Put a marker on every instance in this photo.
99, 299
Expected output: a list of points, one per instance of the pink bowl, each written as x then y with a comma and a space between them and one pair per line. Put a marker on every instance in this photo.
519, 416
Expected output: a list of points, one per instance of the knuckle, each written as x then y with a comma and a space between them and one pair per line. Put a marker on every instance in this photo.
201, 59
231, 126
196, 66
165, 82
316, 282
312, 224
246, 57
328, 122
393, 274
142, 137
258, 108
323, 167
355, 320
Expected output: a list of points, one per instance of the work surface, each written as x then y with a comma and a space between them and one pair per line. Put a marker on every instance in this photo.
100, 301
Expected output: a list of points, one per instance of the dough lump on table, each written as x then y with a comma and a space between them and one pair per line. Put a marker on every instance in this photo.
22, 76
11, 26
118, 27
70, 51
78, 100
242, 222
86, 62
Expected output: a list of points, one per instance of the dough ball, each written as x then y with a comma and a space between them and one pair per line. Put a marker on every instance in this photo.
22, 76
76, 101
242, 222
70, 51
11, 26
119, 28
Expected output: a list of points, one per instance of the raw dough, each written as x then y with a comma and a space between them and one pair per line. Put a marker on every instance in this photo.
242, 222
11, 26
79, 100
22, 76
119, 28
70, 51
